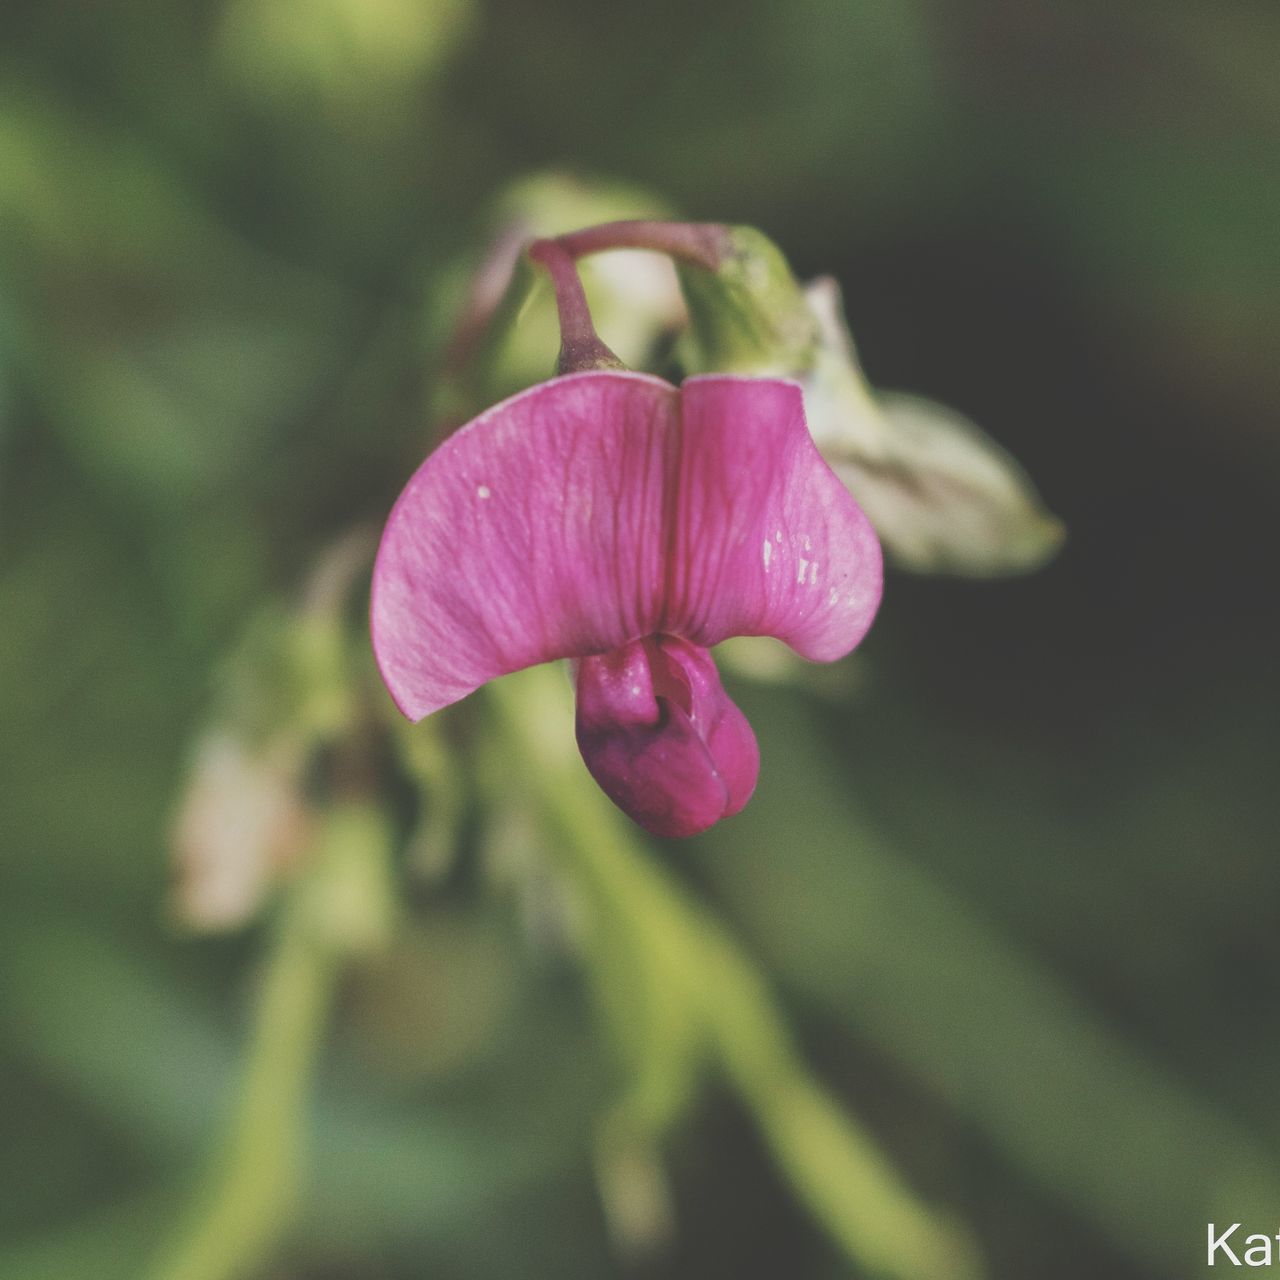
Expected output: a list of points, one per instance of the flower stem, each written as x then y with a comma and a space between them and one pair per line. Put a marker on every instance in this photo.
580, 345
250, 1193
834, 1166
700, 244
683, 965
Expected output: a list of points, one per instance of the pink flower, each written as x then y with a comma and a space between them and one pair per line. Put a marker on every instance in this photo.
612, 518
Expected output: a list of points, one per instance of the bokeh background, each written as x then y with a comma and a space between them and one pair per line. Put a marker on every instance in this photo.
1015, 883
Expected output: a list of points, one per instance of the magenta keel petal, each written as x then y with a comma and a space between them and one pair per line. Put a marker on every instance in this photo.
662, 738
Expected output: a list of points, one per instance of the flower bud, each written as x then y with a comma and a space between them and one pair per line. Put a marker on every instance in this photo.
244, 820
747, 313
942, 495
240, 827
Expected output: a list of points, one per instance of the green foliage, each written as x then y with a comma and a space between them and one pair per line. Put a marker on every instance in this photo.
998, 927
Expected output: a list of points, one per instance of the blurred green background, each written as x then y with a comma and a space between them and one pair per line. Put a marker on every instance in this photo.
1015, 883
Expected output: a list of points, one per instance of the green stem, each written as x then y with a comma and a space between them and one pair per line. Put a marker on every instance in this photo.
691, 968
249, 1197
833, 1164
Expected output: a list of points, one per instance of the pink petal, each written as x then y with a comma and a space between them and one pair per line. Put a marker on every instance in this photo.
661, 737
599, 508
767, 541
537, 531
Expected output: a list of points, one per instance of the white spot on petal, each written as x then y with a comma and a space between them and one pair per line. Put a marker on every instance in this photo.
768, 554
804, 568
813, 574
483, 491
808, 546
